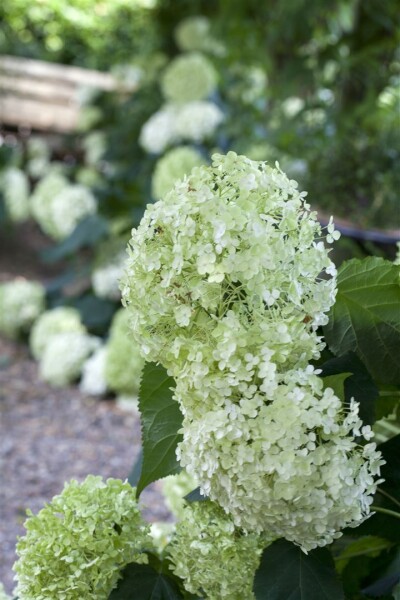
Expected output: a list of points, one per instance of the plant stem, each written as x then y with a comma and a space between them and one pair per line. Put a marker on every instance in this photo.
380, 491
386, 511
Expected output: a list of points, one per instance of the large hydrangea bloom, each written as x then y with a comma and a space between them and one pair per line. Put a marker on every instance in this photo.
64, 357
21, 302
189, 77
76, 546
15, 187
212, 556
227, 285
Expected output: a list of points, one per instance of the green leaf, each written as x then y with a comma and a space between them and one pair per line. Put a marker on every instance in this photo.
96, 313
87, 233
359, 385
366, 318
365, 546
195, 496
286, 572
143, 582
161, 421
336, 382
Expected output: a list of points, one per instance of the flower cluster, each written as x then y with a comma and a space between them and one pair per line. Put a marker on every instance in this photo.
194, 34
212, 556
193, 121
93, 380
64, 357
124, 363
76, 546
107, 272
51, 323
227, 285
15, 187
176, 163
58, 206
21, 302
175, 488
38, 152
189, 77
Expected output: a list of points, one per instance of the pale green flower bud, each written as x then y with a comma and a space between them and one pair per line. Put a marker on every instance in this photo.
21, 302
62, 319
75, 547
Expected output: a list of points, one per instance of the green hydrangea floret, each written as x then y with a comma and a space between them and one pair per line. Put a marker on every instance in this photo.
124, 363
189, 77
76, 546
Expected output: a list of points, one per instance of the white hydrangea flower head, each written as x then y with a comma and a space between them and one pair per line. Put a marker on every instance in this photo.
189, 77
212, 556
70, 206
108, 270
42, 199
58, 206
198, 120
287, 463
21, 303
226, 264
193, 34
175, 488
94, 145
76, 546
15, 187
64, 357
159, 131
93, 380
38, 152
63, 319
124, 363
173, 166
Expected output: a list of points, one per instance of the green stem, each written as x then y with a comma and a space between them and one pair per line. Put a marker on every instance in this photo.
380, 491
389, 392
386, 511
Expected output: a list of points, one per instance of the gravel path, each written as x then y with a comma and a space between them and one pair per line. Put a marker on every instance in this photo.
47, 437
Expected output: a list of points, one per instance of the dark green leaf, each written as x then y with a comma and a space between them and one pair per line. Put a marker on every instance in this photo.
359, 386
336, 383
195, 496
285, 572
143, 582
161, 420
366, 317
134, 475
96, 313
87, 233
370, 546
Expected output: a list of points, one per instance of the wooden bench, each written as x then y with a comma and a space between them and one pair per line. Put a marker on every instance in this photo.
45, 96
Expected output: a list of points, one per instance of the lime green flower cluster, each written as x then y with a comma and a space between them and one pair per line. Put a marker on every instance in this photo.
189, 77
213, 557
15, 186
76, 546
174, 165
108, 269
124, 363
58, 206
51, 323
224, 288
21, 302
38, 151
